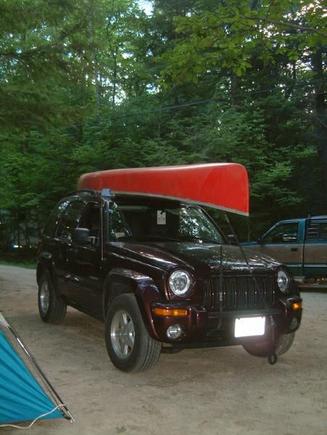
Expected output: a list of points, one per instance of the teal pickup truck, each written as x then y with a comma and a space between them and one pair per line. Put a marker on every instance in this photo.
301, 244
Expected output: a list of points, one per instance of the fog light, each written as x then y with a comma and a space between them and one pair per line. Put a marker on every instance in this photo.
174, 332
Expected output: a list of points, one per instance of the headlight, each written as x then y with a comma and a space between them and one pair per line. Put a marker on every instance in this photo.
283, 280
179, 282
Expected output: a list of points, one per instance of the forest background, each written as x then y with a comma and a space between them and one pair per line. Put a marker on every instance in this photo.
97, 84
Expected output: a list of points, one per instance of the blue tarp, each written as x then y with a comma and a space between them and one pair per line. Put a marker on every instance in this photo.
21, 397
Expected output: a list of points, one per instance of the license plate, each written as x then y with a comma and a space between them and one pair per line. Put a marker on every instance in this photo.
249, 326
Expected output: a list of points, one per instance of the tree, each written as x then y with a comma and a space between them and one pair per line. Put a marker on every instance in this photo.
97, 84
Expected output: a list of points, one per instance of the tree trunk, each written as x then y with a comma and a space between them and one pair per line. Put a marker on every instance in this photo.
320, 113
114, 79
235, 91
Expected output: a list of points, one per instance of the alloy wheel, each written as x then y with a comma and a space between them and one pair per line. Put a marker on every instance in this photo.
122, 333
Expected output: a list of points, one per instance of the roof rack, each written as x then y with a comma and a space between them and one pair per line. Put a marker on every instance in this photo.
86, 191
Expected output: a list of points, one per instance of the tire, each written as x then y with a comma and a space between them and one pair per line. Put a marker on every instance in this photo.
52, 308
129, 345
263, 348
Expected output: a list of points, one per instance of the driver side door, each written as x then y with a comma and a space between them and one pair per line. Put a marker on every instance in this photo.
284, 243
85, 263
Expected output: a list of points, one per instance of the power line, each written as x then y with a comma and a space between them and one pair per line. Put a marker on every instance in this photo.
201, 102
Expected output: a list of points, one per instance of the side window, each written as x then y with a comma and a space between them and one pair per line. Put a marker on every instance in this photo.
51, 224
283, 233
90, 219
317, 230
69, 220
323, 231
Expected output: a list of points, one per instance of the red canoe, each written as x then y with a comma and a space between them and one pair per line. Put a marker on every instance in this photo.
221, 185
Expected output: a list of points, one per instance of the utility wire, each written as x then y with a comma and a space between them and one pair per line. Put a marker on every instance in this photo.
201, 102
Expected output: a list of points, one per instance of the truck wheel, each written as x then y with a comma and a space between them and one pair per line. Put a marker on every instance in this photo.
129, 344
52, 308
284, 343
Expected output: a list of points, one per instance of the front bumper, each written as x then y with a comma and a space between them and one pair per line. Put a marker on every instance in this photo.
203, 328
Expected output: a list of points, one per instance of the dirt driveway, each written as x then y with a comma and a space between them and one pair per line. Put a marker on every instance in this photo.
196, 392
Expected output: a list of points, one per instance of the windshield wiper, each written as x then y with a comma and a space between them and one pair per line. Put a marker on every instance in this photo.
196, 240
162, 238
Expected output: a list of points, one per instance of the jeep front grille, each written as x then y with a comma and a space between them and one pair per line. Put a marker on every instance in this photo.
239, 292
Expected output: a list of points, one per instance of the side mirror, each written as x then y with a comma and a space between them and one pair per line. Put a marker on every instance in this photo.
231, 239
81, 236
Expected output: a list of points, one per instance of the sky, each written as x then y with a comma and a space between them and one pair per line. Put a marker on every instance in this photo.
146, 5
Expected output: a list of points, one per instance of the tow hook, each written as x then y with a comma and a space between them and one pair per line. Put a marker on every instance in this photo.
272, 358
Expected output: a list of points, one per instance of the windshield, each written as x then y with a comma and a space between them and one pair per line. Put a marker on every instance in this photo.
156, 223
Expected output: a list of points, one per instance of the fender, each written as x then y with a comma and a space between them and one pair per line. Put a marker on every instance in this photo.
45, 262
120, 281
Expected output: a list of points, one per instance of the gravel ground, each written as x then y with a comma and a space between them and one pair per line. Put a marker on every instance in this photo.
207, 391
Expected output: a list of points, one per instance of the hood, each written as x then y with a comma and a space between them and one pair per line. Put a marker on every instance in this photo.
199, 257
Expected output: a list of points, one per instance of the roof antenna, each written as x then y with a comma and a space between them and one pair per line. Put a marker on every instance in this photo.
105, 210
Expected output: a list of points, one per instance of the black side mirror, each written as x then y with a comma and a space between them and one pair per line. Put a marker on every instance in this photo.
231, 239
81, 236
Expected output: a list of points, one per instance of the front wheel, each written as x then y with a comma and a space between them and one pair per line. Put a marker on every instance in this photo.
52, 308
128, 342
263, 348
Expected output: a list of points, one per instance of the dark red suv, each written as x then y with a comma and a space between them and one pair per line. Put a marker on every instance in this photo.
160, 274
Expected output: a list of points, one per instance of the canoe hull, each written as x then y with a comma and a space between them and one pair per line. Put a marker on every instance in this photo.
220, 185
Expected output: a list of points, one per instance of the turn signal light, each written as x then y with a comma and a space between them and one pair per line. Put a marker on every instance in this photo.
170, 312
296, 306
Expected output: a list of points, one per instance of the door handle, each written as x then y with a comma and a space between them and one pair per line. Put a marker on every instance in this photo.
294, 249
70, 277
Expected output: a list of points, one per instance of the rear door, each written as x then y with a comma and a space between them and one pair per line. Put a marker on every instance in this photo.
315, 248
284, 242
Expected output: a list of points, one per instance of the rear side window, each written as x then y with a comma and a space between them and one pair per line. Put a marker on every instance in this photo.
317, 230
69, 220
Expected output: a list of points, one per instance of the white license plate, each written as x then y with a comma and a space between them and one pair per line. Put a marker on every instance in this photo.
249, 326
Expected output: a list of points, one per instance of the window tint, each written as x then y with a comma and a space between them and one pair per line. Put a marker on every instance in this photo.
69, 220
317, 230
54, 217
283, 233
